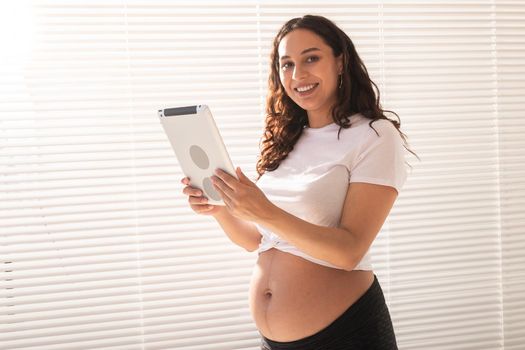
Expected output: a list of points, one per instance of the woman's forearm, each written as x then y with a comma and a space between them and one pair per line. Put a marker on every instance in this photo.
331, 244
241, 232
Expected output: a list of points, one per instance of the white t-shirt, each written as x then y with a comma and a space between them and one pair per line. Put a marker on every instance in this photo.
312, 182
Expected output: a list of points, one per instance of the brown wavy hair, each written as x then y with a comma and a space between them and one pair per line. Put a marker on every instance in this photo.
285, 120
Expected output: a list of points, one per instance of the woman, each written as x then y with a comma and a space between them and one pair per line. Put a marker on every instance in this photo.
330, 169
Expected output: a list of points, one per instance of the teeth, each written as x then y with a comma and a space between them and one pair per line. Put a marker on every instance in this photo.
306, 88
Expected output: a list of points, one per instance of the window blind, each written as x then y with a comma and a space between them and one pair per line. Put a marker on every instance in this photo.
98, 246
509, 18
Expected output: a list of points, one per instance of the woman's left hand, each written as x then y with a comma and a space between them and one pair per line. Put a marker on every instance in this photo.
242, 197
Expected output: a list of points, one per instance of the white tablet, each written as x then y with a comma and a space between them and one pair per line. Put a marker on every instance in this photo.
198, 146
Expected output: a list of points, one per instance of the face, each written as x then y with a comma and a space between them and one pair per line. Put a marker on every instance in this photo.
309, 72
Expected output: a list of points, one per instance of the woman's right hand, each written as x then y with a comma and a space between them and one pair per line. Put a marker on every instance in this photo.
197, 201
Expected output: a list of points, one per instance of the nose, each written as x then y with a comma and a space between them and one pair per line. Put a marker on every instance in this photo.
299, 73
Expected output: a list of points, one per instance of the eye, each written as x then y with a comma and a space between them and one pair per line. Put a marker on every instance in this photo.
309, 59
285, 65
312, 58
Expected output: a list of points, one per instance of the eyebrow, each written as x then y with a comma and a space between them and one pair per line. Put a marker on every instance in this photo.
304, 51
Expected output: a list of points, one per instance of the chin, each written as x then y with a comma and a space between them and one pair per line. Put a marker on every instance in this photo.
308, 106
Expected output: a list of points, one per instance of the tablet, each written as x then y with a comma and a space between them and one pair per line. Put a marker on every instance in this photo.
198, 146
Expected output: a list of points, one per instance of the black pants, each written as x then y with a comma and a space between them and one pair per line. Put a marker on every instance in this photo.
366, 324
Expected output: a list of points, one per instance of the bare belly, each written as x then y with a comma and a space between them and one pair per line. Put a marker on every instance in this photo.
292, 298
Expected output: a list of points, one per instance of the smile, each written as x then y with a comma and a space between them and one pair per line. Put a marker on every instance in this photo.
306, 88
306, 91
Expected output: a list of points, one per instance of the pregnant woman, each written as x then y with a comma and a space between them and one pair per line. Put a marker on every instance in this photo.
330, 169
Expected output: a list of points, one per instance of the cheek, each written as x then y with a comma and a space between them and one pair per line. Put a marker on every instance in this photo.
285, 81
282, 76
331, 81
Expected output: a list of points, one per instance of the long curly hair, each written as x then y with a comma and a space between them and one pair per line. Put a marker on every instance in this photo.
285, 120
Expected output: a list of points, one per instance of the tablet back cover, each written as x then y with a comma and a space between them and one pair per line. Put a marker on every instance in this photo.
198, 146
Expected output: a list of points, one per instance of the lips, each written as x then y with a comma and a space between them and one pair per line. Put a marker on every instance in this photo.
310, 88
305, 86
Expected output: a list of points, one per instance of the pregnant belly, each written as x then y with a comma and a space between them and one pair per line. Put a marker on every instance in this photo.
292, 298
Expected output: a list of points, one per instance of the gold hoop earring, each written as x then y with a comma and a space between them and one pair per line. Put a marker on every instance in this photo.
340, 81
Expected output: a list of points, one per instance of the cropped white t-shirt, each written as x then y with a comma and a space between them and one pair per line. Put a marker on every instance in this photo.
312, 181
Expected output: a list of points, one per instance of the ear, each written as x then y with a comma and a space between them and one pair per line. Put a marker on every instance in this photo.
339, 61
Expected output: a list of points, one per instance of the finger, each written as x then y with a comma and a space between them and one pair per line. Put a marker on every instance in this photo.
206, 208
192, 191
226, 178
242, 178
223, 189
227, 202
198, 201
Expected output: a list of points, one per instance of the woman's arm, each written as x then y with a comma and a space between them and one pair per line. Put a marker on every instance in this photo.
365, 210
241, 232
